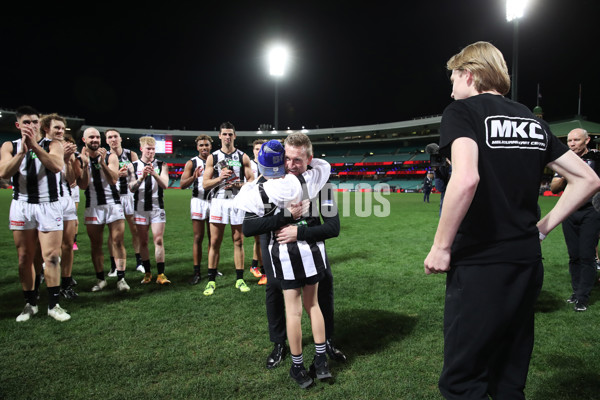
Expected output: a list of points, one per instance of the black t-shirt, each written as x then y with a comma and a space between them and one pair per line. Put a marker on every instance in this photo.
514, 147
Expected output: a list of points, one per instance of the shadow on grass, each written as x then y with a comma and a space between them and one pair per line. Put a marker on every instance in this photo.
13, 300
360, 332
349, 256
549, 302
569, 380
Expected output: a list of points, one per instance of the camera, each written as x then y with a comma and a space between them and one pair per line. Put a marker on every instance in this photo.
435, 158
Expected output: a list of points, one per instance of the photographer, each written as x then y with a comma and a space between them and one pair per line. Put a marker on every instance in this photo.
442, 169
581, 229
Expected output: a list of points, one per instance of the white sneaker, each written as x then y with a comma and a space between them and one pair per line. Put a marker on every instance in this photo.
112, 274
123, 286
28, 312
99, 286
140, 268
59, 313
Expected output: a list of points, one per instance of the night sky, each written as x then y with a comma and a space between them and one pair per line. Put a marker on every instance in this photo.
353, 63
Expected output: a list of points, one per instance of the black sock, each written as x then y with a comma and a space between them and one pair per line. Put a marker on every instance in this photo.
30, 297
113, 264
100, 275
262, 269
138, 259
53, 296
297, 362
212, 274
239, 273
75, 240
38, 282
160, 266
65, 282
146, 264
120, 275
196, 270
254, 263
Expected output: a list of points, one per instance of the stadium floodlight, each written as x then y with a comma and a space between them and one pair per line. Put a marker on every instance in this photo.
515, 9
278, 58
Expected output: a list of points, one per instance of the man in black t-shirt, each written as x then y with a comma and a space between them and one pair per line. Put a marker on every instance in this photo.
488, 237
581, 228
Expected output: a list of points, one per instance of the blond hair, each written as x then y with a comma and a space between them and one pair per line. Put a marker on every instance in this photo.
298, 139
487, 65
147, 141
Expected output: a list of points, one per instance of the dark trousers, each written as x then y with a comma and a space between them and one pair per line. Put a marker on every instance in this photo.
489, 330
581, 231
276, 305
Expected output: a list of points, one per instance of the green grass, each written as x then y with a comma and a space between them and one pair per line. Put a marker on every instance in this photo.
174, 343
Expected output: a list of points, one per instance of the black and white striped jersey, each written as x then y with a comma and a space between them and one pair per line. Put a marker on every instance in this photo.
264, 202
233, 161
34, 183
149, 195
197, 188
99, 191
125, 158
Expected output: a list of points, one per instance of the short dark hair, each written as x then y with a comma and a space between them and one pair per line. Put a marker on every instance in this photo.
226, 125
26, 110
203, 137
112, 129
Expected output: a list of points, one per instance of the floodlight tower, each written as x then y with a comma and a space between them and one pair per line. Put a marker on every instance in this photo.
277, 63
514, 11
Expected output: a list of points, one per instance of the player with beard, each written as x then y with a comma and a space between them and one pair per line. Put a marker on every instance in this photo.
102, 206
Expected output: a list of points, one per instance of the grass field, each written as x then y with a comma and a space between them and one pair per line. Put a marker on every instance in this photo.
174, 343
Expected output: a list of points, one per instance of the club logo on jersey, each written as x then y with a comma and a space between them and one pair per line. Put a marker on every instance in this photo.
502, 132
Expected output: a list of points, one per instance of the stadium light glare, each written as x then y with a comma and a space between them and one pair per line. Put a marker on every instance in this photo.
515, 9
278, 59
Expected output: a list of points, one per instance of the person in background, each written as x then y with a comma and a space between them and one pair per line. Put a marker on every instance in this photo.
581, 228
148, 178
35, 214
53, 127
193, 174
255, 269
488, 237
125, 157
227, 169
102, 206
427, 186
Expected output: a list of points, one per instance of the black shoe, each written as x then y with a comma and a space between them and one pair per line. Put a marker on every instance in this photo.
195, 279
73, 282
580, 306
572, 299
276, 356
68, 293
334, 353
320, 368
301, 377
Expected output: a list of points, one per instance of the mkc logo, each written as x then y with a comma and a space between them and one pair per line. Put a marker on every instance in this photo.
502, 132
